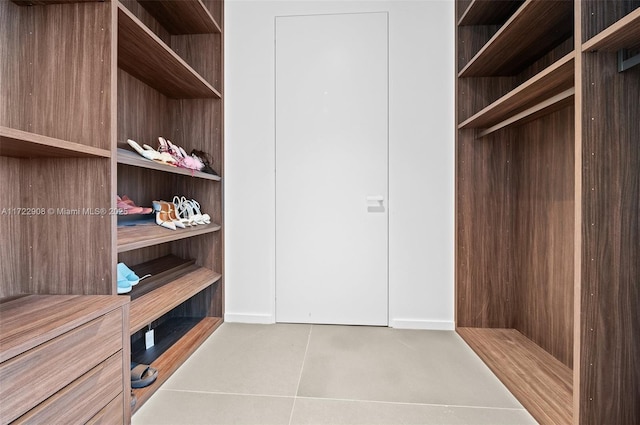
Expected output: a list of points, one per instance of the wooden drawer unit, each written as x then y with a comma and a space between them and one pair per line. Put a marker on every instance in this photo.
69, 369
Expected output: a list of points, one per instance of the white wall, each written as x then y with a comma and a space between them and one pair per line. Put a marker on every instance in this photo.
421, 156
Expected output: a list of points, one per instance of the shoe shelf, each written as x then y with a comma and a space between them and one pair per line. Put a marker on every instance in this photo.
183, 17
128, 157
146, 57
542, 383
488, 12
150, 234
622, 35
174, 356
532, 31
22, 144
553, 81
168, 292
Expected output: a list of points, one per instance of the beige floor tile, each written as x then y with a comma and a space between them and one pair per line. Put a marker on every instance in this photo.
168, 407
246, 359
333, 412
409, 366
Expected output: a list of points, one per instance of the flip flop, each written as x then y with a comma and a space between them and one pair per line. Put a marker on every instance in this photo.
142, 375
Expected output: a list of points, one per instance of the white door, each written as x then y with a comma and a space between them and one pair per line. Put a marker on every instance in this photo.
331, 169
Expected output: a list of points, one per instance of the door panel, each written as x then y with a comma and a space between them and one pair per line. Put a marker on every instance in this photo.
331, 169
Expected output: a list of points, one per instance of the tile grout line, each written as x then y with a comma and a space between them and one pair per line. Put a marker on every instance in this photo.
304, 359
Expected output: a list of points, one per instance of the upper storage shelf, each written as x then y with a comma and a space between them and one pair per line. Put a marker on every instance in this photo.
623, 34
534, 29
182, 17
488, 12
22, 144
144, 55
543, 86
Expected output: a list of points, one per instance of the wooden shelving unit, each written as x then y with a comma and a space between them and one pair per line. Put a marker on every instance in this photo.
532, 30
488, 12
132, 158
22, 144
186, 17
145, 56
542, 295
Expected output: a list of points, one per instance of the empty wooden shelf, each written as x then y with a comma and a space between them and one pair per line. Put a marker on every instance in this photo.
22, 144
144, 55
488, 12
184, 17
623, 34
554, 80
536, 27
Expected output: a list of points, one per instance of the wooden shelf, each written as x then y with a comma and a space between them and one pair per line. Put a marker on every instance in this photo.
489, 12
548, 83
145, 56
162, 270
539, 381
30, 320
182, 17
128, 157
535, 28
546, 107
149, 234
22, 144
173, 292
172, 358
623, 34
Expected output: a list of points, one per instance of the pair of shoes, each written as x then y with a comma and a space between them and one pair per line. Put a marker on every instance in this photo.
152, 154
188, 212
142, 375
126, 278
180, 155
166, 215
204, 158
126, 206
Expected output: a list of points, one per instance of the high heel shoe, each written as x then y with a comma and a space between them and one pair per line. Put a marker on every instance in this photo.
182, 212
173, 216
162, 215
204, 218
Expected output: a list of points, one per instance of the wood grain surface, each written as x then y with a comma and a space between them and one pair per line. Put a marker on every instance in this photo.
488, 12
540, 382
13, 243
624, 34
22, 144
143, 235
185, 17
109, 415
610, 325
599, 15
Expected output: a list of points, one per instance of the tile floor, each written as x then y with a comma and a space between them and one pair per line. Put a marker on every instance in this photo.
334, 375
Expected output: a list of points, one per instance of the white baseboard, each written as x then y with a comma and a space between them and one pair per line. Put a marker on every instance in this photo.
261, 319
435, 325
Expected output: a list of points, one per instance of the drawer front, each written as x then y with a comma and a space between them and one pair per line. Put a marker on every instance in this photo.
83, 398
111, 414
29, 379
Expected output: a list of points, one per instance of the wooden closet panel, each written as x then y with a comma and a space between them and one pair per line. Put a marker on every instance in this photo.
543, 232
478, 92
144, 185
142, 255
70, 246
198, 123
484, 225
216, 7
610, 338
470, 40
143, 113
600, 14
58, 81
203, 53
152, 23
13, 255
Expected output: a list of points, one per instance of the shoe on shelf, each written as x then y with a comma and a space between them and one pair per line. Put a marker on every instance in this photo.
173, 216
145, 210
184, 211
205, 160
124, 285
202, 218
183, 160
127, 274
124, 208
162, 215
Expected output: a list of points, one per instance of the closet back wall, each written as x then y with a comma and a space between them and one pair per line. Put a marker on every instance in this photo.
421, 157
